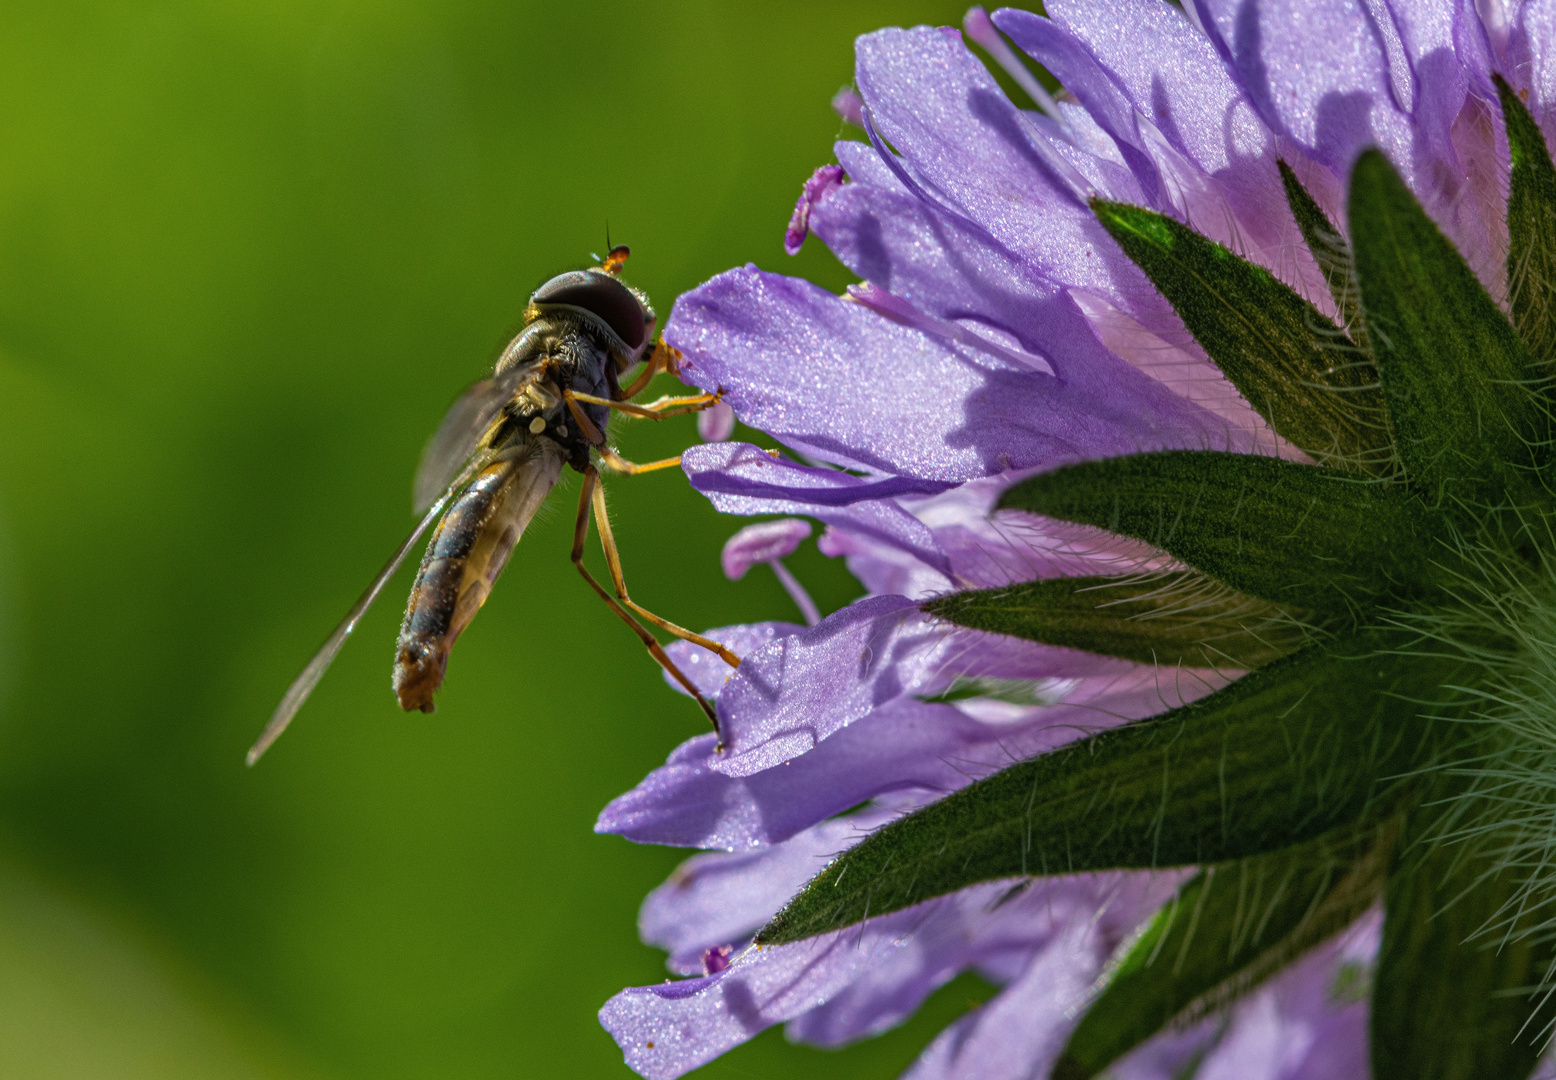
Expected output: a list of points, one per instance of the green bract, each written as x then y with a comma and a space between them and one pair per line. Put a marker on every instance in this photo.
1394, 605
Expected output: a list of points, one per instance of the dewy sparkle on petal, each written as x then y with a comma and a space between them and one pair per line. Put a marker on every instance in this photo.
1192, 431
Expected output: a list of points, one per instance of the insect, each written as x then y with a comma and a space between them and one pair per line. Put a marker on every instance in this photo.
496, 456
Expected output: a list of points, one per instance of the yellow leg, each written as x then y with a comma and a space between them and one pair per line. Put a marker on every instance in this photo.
656, 363
663, 358
656, 410
617, 464
585, 425
613, 561
580, 534
612, 460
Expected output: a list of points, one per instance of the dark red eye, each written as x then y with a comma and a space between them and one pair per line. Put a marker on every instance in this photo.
601, 295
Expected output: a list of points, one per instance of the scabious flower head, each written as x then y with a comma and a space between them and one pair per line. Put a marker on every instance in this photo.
1191, 430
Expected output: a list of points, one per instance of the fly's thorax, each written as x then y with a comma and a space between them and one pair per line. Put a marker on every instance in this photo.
567, 339
466, 555
574, 353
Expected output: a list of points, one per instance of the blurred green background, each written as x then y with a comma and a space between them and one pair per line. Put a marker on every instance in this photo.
248, 253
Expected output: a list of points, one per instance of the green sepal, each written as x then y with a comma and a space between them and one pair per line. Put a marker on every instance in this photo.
1283, 755
1467, 421
1303, 375
1456, 992
1229, 928
1287, 533
1531, 228
1333, 256
1175, 619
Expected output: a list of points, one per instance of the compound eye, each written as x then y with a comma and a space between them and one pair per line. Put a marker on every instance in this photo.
601, 295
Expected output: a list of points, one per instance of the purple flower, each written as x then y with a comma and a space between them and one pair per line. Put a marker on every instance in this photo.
1000, 331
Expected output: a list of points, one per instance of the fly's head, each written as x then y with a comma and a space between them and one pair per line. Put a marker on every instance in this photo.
611, 312
582, 330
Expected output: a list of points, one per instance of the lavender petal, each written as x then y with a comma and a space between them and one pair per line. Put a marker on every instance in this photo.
883, 567
708, 672
739, 478
954, 273
855, 389
800, 690
1332, 102
1530, 57
1020, 1032
667, 1030
1293, 1028
903, 745
719, 899
1099, 95
986, 927
1171, 73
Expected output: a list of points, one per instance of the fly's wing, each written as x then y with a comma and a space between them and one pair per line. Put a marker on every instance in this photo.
303, 685
463, 427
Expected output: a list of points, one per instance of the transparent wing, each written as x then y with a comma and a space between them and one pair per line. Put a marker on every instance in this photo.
463, 427
303, 685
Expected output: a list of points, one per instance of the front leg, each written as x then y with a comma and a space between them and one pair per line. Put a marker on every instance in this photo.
609, 457
618, 464
591, 499
663, 358
662, 409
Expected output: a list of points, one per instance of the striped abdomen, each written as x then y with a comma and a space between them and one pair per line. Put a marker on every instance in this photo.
464, 558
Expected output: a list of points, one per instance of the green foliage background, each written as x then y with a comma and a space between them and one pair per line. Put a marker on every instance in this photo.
248, 253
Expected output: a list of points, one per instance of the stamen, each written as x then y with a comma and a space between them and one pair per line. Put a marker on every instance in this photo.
760, 543
978, 26
849, 105
821, 183
717, 423
768, 542
905, 313
715, 960
797, 593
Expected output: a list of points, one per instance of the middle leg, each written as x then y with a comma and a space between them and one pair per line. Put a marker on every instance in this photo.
580, 534
613, 561
612, 460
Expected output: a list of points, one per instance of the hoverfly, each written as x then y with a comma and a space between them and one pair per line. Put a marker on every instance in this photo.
495, 458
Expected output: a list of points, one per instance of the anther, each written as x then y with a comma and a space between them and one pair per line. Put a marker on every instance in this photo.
849, 105
768, 542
